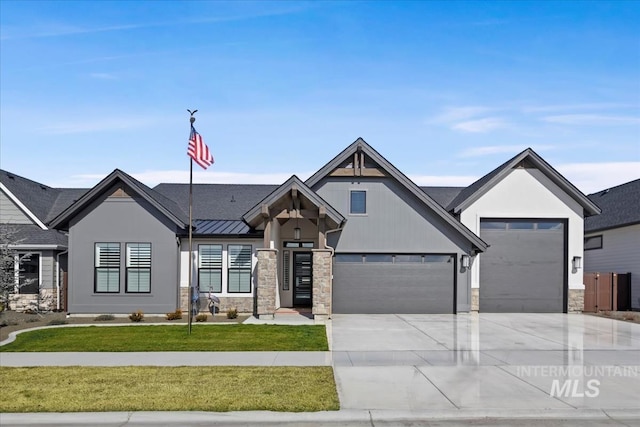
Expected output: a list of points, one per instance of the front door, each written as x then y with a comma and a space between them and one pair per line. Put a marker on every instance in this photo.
303, 279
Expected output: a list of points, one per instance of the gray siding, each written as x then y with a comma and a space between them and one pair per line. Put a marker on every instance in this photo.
48, 268
10, 213
395, 222
122, 220
620, 253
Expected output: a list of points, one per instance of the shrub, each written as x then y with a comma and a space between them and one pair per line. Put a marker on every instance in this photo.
104, 317
232, 313
202, 317
32, 320
136, 316
57, 322
175, 315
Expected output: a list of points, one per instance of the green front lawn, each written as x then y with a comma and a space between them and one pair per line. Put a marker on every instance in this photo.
146, 388
174, 338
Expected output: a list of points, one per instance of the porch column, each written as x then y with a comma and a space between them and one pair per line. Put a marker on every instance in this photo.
266, 285
321, 283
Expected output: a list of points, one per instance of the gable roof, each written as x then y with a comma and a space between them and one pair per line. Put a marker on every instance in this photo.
360, 145
484, 184
33, 198
166, 206
620, 207
31, 236
254, 215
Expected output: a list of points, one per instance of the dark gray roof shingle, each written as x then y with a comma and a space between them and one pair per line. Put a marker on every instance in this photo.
30, 234
216, 201
38, 198
620, 207
443, 195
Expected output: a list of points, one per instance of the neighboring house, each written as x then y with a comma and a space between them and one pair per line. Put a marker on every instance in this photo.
356, 237
612, 239
40, 260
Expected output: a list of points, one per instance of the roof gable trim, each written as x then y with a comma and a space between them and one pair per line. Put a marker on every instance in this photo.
101, 188
22, 207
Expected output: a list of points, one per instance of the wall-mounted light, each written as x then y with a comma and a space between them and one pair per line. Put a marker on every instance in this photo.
577, 262
296, 233
464, 261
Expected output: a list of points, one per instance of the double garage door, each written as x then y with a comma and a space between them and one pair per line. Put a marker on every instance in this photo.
524, 268
391, 283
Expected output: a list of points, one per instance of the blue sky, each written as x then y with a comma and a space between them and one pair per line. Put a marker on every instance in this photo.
446, 91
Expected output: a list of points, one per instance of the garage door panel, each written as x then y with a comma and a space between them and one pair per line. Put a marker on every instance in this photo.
522, 271
393, 288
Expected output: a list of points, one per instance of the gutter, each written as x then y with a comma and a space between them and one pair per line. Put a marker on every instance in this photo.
333, 252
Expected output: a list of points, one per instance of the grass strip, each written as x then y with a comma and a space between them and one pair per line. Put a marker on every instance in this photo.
147, 388
173, 338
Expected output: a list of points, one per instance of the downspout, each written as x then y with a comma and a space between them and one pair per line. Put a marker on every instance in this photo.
333, 252
58, 278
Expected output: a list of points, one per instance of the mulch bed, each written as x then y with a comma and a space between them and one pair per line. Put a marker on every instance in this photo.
14, 321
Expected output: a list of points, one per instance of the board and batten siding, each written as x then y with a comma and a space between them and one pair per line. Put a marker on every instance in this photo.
528, 193
122, 220
396, 222
10, 213
620, 253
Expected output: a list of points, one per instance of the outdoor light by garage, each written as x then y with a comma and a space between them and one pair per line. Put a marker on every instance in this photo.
464, 261
577, 262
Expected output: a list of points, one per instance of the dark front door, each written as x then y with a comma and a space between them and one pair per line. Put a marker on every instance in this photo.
303, 279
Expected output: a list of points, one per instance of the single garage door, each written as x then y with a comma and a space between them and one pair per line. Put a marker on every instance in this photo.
523, 270
387, 283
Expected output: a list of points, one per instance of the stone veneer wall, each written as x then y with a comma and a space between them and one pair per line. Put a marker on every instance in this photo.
321, 282
242, 304
29, 302
575, 301
267, 282
475, 299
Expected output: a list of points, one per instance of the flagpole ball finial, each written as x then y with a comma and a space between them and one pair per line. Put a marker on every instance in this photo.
192, 119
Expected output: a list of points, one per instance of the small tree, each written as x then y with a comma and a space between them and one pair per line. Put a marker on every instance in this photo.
8, 280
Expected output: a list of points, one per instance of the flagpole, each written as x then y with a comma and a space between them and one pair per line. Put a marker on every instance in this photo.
191, 120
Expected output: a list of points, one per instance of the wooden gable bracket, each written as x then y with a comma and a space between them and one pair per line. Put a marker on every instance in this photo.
264, 210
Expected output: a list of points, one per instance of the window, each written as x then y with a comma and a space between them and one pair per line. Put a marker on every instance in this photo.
107, 268
344, 258
358, 202
210, 268
139, 267
239, 269
298, 244
29, 276
285, 270
401, 259
593, 242
369, 258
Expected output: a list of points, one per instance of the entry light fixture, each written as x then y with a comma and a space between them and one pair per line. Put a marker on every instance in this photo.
577, 262
464, 261
296, 231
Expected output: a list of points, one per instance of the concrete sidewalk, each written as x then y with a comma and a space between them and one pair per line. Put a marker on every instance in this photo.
339, 418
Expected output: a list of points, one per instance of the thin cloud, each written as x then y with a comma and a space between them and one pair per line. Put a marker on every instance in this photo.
483, 125
103, 76
155, 177
593, 177
101, 125
499, 149
69, 30
455, 114
444, 180
592, 119
574, 107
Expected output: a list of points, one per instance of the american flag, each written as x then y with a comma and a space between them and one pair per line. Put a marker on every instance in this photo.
198, 150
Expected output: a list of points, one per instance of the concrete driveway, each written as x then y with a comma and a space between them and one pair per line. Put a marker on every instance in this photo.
485, 362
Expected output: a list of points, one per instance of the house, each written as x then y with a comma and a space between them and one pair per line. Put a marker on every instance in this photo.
612, 239
358, 236
40, 261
